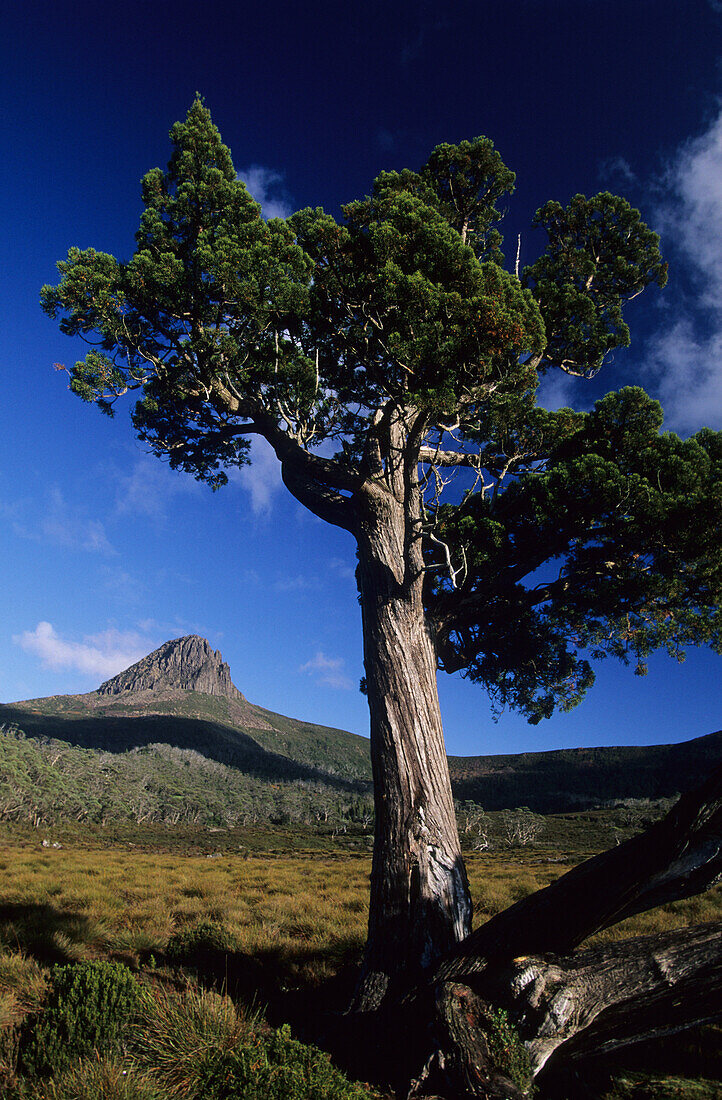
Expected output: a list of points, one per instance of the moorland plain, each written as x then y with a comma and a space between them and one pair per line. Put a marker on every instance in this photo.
279, 928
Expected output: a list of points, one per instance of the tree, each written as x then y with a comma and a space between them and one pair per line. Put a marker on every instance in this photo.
493, 537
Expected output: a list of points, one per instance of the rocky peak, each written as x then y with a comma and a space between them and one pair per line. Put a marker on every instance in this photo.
186, 663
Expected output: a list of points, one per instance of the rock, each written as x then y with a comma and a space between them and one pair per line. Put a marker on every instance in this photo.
188, 663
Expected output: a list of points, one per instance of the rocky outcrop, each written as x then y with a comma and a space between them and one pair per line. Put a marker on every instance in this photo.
186, 663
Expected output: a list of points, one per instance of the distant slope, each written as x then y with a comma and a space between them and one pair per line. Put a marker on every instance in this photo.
573, 779
229, 731
181, 699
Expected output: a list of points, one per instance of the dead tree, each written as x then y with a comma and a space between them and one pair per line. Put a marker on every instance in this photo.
569, 1004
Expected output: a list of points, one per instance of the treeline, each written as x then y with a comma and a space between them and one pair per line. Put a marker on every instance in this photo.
44, 781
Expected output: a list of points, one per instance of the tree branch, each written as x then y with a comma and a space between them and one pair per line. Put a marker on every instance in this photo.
325, 503
679, 856
434, 456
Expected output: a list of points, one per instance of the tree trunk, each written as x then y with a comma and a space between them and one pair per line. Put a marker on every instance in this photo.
420, 906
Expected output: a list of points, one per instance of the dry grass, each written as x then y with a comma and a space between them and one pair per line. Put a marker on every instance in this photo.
307, 911
295, 921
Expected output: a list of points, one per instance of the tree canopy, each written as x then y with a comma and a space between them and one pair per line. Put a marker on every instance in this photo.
395, 339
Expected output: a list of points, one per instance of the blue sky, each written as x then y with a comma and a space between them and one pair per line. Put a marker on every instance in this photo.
107, 552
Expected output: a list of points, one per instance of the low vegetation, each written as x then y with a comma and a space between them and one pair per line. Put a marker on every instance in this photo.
181, 943
44, 780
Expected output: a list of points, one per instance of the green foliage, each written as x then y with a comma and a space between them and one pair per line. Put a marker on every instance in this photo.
625, 517
397, 337
45, 779
199, 1044
600, 254
190, 945
89, 1009
507, 1053
274, 1066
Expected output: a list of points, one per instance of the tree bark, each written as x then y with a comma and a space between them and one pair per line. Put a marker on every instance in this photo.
569, 1005
420, 906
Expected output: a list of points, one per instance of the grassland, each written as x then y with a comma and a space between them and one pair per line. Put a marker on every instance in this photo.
279, 928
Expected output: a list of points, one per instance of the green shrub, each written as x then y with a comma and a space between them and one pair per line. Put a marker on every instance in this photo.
195, 944
89, 1008
274, 1066
506, 1050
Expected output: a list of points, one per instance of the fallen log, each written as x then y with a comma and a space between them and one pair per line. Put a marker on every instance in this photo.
522, 964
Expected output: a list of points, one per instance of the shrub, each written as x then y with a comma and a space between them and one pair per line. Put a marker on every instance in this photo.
506, 1050
89, 1008
195, 944
199, 1044
274, 1066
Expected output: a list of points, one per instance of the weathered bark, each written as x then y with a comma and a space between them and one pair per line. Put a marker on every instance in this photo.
677, 857
590, 1003
573, 1005
618, 994
420, 905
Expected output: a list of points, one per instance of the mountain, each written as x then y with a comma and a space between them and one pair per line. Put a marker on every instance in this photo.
182, 695
188, 664
179, 713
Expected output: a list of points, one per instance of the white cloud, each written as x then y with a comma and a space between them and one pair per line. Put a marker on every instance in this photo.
683, 358
693, 214
328, 671
559, 391
100, 655
690, 379
262, 479
266, 187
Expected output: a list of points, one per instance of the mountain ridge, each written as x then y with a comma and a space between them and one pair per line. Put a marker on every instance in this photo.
157, 701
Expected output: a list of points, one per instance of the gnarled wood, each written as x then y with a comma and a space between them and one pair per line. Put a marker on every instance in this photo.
679, 856
571, 1005
616, 994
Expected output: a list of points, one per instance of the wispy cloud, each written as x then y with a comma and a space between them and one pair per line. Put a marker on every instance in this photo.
100, 655
297, 582
328, 671
148, 488
618, 168
683, 358
559, 391
61, 524
342, 568
262, 479
266, 187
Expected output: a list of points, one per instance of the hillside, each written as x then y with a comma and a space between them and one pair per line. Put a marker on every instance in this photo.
172, 738
182, 695
573, 779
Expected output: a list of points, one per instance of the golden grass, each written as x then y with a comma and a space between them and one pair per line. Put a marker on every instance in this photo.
301, 918
308, 910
